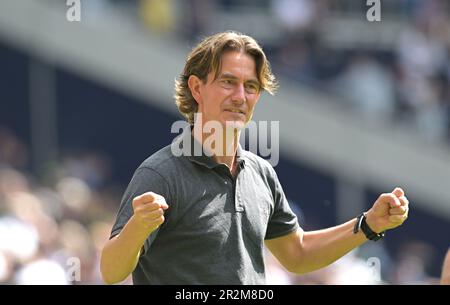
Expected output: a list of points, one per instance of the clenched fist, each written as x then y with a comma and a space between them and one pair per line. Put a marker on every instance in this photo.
389, 211
149, 210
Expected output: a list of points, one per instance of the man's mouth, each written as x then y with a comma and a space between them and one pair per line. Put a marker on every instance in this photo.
235, 111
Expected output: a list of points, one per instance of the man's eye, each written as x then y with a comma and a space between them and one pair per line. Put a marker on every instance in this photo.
252, 88
227, 83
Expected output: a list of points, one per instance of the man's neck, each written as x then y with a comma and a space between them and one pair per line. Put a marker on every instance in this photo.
222, 145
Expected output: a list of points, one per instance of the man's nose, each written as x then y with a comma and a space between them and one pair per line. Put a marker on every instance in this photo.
239, 96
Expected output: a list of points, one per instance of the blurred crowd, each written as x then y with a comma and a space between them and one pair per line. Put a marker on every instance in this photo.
53, 227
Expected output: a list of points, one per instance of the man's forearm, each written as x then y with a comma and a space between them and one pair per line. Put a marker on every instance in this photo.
323, 247
303, 252
121, 254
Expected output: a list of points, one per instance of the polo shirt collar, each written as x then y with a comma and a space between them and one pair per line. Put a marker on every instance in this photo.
201, 157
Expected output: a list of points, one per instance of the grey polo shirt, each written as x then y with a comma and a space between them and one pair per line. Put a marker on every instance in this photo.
215, 226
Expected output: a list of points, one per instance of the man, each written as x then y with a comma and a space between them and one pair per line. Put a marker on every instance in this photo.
445, 278
202, 217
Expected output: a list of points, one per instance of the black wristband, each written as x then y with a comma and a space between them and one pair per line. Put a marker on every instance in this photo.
362, 225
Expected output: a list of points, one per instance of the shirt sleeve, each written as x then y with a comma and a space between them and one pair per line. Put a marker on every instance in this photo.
282, 220
144, 180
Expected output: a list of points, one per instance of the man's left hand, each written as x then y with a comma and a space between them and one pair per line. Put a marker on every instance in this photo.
389, 211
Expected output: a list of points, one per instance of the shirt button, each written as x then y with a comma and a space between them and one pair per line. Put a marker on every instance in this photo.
226, 182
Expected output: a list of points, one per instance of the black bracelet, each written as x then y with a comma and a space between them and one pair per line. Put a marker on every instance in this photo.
362, 225
358, 223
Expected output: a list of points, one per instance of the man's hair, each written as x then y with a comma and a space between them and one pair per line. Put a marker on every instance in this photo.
206, 57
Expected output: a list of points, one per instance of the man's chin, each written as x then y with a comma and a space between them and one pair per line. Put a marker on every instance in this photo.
235, 125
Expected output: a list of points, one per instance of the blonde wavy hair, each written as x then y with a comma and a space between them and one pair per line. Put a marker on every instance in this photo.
206, 57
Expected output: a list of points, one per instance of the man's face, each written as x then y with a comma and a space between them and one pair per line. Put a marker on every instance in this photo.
232, 96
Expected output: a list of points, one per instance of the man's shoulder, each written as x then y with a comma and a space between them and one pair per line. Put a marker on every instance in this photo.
162, 161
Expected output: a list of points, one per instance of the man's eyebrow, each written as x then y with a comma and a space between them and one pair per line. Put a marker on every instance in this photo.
231, 76
227, 75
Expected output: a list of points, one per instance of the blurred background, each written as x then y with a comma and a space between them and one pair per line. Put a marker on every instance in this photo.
363, 107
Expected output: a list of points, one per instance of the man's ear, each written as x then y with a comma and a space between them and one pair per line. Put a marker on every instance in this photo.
194, 85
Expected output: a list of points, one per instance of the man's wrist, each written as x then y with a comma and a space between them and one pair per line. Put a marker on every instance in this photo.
139, 227
362, 225
372, 223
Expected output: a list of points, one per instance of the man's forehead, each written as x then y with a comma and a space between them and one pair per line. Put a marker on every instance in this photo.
234, 64
237, 59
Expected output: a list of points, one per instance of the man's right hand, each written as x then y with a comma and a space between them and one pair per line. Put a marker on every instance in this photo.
121, 253
149, 211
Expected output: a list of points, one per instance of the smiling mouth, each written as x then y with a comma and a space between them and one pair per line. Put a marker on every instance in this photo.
235, 111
